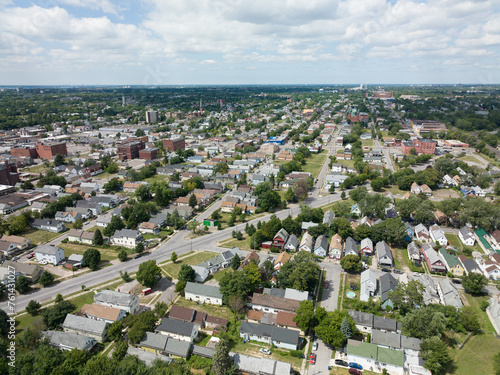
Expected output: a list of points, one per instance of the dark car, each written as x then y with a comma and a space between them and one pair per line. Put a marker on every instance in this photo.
398, 271
326, 285
137, 256
385, 270
340, 362
355, 365
312, 359
353, 371
456, 281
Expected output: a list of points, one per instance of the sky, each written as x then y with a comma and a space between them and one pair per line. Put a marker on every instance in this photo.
186, 42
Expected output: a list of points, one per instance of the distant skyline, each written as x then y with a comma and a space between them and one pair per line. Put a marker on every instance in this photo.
231, 42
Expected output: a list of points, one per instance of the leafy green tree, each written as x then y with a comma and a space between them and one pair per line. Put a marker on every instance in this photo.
78, 224
289, 195
22, 284
112, 185
149, 273
423, 323
234, 284
436, 355
139, 248
299, 273
342, 227
116, 223
180, 286
59, 298
99, 365
329, 328
186, 273
143, 193
59, 160
235, 263
98, 240
407, 296
221, 362
253, 273
33, 307
496, 363
474, 283
91, 259
378, 183
351, 263
120, 350
46, 279
173, 257
193, 201
469, 319
54, 316
305, 317
122, 255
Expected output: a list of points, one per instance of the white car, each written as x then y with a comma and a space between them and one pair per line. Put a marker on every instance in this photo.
315, 346
265, 351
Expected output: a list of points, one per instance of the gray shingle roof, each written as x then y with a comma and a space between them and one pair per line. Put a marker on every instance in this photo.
275, 333
175, 327
85, 325
68, 339
203, 290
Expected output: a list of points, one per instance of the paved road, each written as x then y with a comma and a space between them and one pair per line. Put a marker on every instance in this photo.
329, 302
325, 170
177, 243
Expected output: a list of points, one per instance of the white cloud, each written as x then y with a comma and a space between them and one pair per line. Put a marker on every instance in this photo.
104, 5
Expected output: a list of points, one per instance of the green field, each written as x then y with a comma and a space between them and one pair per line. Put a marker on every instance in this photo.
470, 158
174, 268
455, 241
367, 142
38, 237
347, 163
315, 163
73, 248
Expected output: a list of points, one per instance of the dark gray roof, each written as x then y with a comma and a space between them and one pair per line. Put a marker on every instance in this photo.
387, 283
386, 324
350, 245
203, 351
275, 333
361, 318
275, 292
410, 342
292, 241
383, 338
178, 347
321, 241
176, 327
383, 250
202, 289
154, 340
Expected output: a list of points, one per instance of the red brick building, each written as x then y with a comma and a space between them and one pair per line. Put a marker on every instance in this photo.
149, 153
130, 149
8, 174
47, 150
173, 144
24, 151
422, 146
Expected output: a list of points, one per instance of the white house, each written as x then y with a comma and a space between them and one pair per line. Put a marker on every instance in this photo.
279, 337
384, 254
203, 293
49, 254
437, 235
466, 236
368, 285
126, 237
183, 331
376, 357
50, 225
122, 301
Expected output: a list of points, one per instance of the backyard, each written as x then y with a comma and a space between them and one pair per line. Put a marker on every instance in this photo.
213, 310
454, 241
72, 248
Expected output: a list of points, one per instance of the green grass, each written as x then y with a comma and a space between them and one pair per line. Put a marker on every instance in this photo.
174, 268
315, 163
347, 163
244, 244
36, 169
367, 142
94, 228
73, 248
213, 310
40, 236
483, 317
156, 178
476, 356
471, 159
455, 241
219, 274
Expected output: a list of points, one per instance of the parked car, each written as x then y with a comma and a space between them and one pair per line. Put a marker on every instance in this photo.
15, 258
312, 359
340, 362
265, 351
385, 270
30, 255
353, 371
137, 256
315, 346
326, 284
397, 271
456, 281
355, 365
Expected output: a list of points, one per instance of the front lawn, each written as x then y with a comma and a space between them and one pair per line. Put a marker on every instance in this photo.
38, 236
244, 244
73, 248
174, 268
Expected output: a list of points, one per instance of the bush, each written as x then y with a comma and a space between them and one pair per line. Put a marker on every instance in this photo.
484, 305
274, 250
64, 241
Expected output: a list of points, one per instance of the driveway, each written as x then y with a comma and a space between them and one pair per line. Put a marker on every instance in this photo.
329, 302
